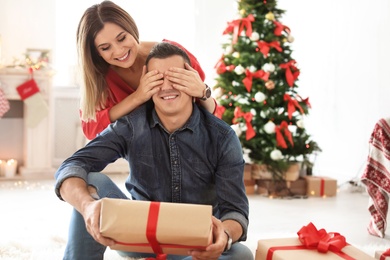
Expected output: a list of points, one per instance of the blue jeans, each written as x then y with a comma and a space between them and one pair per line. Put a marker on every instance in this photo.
81, 245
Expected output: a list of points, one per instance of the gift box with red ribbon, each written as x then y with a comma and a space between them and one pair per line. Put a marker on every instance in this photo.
310, 244
156, 227
382, 255
319, 186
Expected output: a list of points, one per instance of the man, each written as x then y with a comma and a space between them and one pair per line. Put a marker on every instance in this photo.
177, 152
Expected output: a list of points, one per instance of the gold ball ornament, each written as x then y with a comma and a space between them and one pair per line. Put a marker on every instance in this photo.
270, 85
270, 16
290, 38
242, 12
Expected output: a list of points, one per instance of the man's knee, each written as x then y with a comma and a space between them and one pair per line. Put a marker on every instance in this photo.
93, 192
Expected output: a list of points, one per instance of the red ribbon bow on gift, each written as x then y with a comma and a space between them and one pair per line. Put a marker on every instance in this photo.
250, 132
292, 105
248, 80
320, 239
385, 254
235, 28
219, 110
290, 76
279, 131
264, 47
222, 68
279, 27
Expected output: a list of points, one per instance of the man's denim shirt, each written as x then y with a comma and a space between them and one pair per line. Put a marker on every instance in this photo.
200, 163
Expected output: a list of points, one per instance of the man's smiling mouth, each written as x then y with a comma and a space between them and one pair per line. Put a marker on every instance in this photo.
169, 97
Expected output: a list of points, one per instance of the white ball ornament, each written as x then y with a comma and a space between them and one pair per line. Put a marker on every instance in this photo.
301, 123
236, 54
229, 49
235, 83
276, 155
218, 92
239, 70
253, 111
236, 128
269, 127
255, 36
259, 97
252, 69
242, 126
290, 38
246, 150
292, 128
269, 67
247, 159
243, 101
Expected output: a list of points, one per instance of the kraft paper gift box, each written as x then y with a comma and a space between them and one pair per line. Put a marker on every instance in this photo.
250, 187
248, 172
319, 186
382, 255
311, 244
279, 188
299, 187
156, 227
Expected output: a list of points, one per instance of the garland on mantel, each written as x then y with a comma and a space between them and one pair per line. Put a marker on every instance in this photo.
33, 62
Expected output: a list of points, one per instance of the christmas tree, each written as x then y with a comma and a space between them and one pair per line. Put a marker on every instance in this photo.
256, 89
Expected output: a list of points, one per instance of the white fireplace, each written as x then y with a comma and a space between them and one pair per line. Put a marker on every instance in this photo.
56, 137
37, 160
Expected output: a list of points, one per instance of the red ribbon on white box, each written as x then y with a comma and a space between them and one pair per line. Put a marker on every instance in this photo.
313, 239
385, 254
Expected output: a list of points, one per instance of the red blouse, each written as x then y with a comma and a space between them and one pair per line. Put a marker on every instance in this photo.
120, 90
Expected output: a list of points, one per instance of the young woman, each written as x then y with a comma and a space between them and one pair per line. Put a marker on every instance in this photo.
112, 60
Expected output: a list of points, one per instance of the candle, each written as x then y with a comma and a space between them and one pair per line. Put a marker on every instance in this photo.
2, 168
11, 168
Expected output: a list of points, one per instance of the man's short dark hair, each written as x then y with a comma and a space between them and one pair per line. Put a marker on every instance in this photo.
164, 50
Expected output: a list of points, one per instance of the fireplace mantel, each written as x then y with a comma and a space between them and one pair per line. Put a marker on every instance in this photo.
37, 140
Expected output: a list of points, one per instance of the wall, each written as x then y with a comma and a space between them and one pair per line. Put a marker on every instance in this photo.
340, 46
26, 24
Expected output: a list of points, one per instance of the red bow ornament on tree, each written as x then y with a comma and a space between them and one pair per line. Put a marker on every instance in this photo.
236, 27
260, 74
281, 131
250, 132
292, 72
279, 28
292, 105
222, 68
306, 101
264, 47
